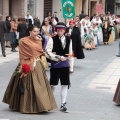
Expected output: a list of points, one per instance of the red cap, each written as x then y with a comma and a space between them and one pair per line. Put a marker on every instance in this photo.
59, 28
71, 22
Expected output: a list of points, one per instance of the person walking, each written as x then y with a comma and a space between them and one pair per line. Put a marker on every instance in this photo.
29, 19
12, 34
57, 50
29, 91
7, 32
2, 32
74, 33
22, 28
37, 22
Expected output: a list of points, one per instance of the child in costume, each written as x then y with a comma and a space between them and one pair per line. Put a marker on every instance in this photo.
89, 40
57, 50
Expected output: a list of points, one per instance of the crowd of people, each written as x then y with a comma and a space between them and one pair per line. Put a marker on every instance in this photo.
13, 29
29, 90
99, 29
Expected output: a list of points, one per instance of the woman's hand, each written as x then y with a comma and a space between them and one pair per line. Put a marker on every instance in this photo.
32, 69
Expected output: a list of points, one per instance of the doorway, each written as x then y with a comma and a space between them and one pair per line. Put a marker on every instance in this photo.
47, 7
93, 7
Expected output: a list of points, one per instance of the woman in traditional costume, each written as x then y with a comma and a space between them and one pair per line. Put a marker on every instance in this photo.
94, 29
106, 31
47, 31
89, 40
83, 29
30, 92
114, 21
112, 35
98, 22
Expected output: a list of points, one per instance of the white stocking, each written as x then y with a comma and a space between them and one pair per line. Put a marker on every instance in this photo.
53, 88
64, 89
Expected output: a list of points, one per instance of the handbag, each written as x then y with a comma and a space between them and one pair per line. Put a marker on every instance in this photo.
44, 62
20, 86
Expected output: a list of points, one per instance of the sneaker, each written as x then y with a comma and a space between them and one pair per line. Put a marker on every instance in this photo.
63, 108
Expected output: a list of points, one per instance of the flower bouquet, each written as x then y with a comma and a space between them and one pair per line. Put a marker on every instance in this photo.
22, 70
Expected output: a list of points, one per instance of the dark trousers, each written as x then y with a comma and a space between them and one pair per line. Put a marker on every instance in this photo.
2, 40
12, 37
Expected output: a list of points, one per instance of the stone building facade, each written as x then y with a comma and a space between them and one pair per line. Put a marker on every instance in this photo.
40, 8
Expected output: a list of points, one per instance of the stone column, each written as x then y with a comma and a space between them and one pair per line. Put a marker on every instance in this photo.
78, 5
5, 8
24, 7
39, 9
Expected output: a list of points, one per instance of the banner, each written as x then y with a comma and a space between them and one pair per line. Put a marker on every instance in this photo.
68, 8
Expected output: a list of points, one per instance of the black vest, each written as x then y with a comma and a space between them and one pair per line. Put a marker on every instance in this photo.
57, 46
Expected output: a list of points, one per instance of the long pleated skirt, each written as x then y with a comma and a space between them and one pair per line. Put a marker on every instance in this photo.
116, 97
37, 96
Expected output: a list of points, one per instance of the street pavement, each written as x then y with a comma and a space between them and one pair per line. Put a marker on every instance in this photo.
93, 84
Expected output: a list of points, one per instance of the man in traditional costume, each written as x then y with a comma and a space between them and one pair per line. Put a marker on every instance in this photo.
57, 50
77, 22
74, 34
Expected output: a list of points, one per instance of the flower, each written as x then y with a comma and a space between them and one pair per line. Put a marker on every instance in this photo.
25, 68
22, 70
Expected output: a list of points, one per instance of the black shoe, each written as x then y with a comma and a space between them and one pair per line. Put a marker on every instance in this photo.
14, 50
63, 108
118, 55
8, 46
4, 55
71, 71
